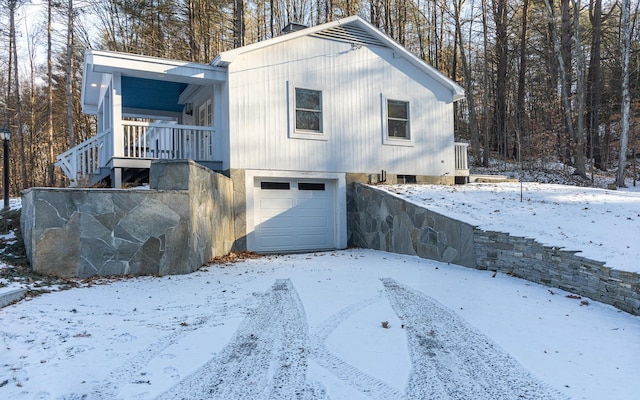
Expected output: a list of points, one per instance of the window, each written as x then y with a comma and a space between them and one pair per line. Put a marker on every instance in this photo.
274, 185
398, 119
308, 110
406, 179
310, 186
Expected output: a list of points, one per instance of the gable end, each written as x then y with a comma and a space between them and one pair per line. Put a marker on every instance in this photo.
350, 33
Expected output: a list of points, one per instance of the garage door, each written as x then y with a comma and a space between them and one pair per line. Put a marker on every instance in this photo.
293, 215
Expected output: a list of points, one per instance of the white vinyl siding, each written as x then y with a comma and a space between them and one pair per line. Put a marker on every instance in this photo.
261, 85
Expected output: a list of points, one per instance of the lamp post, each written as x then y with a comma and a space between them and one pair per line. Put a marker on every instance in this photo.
5, 135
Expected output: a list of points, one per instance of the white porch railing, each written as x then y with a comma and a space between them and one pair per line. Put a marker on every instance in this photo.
462, 168
86, 158
168, 141
141, 140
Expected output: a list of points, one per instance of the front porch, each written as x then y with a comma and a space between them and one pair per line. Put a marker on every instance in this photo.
146, 108
118, 158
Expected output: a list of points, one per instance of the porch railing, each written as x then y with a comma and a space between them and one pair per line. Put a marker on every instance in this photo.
462, 168
141, 140
86, 158
168, 141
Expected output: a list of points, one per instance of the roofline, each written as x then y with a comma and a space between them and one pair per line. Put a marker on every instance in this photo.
101, 61
99, 64
225, 58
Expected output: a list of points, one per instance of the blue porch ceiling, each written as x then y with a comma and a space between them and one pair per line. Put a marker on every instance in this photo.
150, 94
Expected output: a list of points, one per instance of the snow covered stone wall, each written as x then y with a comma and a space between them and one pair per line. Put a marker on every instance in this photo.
379, 220
175, 230
555, 267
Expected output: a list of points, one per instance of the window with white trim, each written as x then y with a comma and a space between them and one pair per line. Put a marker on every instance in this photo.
398, 126
308, 110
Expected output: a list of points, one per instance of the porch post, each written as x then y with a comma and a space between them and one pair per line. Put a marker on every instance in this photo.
116, 115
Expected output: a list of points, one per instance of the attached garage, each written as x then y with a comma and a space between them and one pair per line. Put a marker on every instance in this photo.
290, 214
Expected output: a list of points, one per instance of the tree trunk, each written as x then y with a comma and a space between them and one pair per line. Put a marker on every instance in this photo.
500, 112
564, 84
520, 109
594, 85
51, 180
625, 28
239, 24
579, 135
485, 92
16, 95
566, 62
468, 80
69, 74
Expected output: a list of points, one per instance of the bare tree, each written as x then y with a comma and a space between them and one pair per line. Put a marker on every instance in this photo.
468, 79
69, 73
579, 135
50, 139
626, 98
16, 94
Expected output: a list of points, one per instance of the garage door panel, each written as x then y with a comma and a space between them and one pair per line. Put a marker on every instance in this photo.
275, 204
313, 204
276, 223
313, 222
312, 240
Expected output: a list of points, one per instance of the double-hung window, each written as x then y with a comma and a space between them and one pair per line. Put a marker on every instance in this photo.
308, 110
398, 119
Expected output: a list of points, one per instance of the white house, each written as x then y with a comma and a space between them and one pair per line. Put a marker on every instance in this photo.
291, 120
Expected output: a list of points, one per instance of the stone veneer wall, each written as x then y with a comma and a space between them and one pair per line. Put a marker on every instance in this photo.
381, 221
184, 221
551, 266
378, 220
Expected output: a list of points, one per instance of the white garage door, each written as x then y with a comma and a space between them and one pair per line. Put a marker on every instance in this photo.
293, 214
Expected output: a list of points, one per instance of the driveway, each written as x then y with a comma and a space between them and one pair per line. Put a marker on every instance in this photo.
338, 325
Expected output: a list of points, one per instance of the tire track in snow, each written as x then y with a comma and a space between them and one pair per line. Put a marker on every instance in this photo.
356, 378
451, 360
265, 359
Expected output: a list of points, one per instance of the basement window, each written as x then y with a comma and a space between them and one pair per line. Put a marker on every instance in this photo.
407, 179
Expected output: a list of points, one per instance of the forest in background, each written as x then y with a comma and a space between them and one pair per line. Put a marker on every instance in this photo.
545, 80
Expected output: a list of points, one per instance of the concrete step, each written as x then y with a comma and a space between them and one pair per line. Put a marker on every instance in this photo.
10, 296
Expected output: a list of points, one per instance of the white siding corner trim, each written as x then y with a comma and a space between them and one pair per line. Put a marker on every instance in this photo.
338, 217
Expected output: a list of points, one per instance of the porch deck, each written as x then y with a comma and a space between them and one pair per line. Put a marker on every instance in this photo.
108, 155
139, 142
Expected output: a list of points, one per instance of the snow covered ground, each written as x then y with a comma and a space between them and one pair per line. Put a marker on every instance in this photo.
309, 326
603, 225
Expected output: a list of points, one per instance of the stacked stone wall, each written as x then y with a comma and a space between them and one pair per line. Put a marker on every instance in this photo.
382, 221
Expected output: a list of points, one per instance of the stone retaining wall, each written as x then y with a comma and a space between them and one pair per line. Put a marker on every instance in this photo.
551, 266
381, 221
86, 232
378, 220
